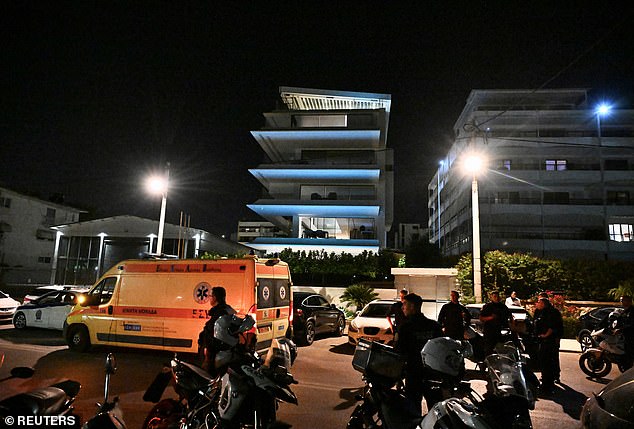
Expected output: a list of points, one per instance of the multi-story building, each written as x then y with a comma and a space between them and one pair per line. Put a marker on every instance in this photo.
408, 233
27, 243
558, 182
329, 181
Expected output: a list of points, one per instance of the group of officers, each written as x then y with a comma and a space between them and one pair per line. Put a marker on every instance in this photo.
413, 329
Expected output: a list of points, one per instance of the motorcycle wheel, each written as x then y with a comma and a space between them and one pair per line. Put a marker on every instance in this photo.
593, 367
164, 415
585, 340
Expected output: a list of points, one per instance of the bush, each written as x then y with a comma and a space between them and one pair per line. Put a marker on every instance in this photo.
571, 327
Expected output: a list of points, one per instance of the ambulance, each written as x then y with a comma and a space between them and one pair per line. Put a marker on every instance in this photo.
163, 304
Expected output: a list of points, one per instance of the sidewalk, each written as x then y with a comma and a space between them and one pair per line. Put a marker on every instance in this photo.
569, 346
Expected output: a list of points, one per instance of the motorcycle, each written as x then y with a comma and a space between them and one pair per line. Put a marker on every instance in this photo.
109, 414
245, 394
596, 362
42, 407
383, 403
505, 405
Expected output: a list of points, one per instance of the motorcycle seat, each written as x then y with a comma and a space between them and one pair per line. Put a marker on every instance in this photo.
39, 402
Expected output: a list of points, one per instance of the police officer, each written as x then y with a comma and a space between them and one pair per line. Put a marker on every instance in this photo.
625, 323
494, 316
453, 317
396, 310
206, 341
549, 329
412, 335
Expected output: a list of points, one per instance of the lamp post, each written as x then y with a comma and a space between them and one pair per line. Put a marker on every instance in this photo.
440, 165
473, 165
602, 110
159, 185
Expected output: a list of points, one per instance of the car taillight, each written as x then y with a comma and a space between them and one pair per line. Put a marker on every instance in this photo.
290, 313
300, 312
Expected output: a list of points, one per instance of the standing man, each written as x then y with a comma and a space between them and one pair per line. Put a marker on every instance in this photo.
412, 335
494, 317
625, 324
206, 340
453, 317
397, 311
549, 329
513, 300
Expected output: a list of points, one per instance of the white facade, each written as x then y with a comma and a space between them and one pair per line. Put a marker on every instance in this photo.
26, 241
330, 176
558, 182
249, 230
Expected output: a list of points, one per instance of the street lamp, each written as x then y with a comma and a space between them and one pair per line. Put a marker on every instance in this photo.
474, 164
159, 185
602, 109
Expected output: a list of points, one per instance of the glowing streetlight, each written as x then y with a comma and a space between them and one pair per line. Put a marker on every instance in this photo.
474, 164
159, 185
602, 109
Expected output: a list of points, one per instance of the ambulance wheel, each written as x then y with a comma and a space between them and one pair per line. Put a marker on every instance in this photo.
78, 338
19, 320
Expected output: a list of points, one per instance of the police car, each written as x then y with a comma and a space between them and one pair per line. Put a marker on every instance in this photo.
48, 311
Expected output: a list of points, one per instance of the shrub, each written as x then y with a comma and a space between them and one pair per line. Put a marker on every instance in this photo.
359, 295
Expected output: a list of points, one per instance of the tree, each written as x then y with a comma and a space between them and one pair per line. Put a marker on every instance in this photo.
358, 295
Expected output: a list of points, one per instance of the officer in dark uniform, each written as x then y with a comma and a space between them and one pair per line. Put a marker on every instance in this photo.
494, 316
549, 329
206, 341
412, 335
396, 311
625, 323
453, 317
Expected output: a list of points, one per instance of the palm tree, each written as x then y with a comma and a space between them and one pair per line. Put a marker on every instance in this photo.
359, 295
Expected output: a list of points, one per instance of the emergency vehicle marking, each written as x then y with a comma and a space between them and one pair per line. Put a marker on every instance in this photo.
130, 327
266, 293
282, 292
202, 293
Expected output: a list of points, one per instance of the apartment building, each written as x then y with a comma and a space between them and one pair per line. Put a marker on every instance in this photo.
558, 177
329, 179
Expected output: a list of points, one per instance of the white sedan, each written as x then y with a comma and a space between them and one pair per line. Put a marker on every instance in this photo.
372, 323
7, 306
48, 311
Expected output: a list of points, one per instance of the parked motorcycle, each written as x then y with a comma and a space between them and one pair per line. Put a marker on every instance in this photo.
42, 407
383, 403
596, 362
109, 414
246, 394
505, 405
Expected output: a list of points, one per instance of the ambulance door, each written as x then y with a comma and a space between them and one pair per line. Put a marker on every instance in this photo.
101, 320
266, 311
282, 295
141, 311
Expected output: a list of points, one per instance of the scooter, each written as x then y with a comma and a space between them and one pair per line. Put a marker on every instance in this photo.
596, 362
109, 414
47, 406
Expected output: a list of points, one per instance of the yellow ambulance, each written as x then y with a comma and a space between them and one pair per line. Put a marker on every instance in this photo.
163, 304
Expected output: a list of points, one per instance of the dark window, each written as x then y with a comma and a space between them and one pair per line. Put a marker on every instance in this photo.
619, 198
44, 259
556, 198
105, 289
616, 164
313, 301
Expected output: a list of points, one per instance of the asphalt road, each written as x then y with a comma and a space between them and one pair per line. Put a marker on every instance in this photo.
326, 389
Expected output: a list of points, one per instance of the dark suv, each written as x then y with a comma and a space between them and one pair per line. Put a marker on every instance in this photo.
312, 315
596, 318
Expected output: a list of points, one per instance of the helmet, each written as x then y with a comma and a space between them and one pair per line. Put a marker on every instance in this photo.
443, 355
227, 328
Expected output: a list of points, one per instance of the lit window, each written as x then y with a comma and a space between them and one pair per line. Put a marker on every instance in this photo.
621, 232
555, 164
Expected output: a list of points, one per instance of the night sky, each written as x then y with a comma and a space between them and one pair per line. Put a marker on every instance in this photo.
95, 95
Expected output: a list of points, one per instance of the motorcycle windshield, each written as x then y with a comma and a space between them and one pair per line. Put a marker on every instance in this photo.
505, 377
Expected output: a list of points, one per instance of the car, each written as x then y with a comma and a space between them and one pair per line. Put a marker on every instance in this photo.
613, 406
522, 321
48, 311
312, 315
39, 291
8, 306
372, 323
594, 319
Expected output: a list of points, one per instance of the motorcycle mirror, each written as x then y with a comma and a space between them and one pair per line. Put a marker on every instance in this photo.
22, 372
111, 364
247, 323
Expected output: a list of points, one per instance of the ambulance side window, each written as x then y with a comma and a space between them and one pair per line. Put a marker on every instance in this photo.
105, 289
